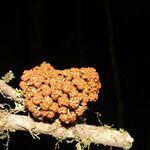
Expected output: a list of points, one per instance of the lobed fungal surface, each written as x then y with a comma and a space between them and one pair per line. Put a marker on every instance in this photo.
56, 93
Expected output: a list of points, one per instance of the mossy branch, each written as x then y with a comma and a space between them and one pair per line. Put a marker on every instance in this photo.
82, 133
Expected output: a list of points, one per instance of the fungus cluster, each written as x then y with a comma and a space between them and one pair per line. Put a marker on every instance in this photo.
53, 93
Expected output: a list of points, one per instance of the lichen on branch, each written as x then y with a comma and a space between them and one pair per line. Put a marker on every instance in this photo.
8, 76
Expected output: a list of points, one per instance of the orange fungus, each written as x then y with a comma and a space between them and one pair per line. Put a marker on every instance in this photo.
64, 94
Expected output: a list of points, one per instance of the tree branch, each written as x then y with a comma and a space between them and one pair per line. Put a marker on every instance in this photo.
83, 133
10, 93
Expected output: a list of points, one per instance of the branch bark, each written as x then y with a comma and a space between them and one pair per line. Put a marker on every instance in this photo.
83, 133
10, 93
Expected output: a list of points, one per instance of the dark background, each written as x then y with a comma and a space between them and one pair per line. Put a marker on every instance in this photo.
112, 36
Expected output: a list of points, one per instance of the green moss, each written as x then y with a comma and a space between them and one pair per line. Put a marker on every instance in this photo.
8, 76
20, 92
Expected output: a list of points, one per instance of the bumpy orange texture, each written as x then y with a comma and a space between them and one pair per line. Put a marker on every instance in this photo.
65, 93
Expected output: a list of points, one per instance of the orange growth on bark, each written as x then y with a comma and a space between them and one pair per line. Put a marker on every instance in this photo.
65, 93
